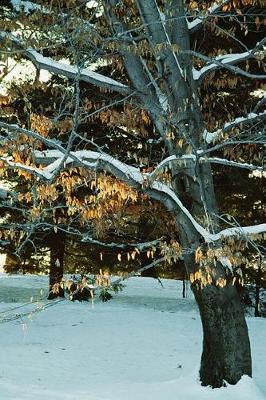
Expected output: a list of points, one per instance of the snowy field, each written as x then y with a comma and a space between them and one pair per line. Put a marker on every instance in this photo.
145, 344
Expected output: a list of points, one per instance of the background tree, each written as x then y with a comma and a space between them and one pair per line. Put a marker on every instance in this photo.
167, 90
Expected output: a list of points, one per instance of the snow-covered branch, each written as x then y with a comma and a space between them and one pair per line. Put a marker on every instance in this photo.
191, 157
239, 231
211, 137
167, 161
128, 174
55, 164
104, 162
134, 177
69, 71
27, 168
98, 161
123, 246
227, 61
223, 161
72, 72
213, 10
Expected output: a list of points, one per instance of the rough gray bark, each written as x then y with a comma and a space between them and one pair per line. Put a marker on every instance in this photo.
226, 353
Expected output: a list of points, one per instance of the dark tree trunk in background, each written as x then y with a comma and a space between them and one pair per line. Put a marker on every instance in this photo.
57, 251
257, 290
226, 349
184, 290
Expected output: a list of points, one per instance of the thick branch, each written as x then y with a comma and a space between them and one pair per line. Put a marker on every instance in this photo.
239, 231
104, 162
158, 191
85, 75
59, 68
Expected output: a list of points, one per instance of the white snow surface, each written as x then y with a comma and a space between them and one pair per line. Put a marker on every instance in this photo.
145, 344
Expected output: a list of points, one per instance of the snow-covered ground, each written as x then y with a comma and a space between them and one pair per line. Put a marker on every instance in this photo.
145, 344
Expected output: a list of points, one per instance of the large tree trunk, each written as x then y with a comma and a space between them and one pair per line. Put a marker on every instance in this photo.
226, 352
57, 251
226, 349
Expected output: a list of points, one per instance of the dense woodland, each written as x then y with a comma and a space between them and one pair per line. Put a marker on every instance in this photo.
141, 152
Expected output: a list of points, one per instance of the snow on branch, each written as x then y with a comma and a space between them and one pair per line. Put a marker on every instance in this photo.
45, 173
239, 231
223, 161
191, 157
27, 168
69, 71
140, 246
227, 61
211, 137
130, 175
197, 22
72, 72
165, 163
